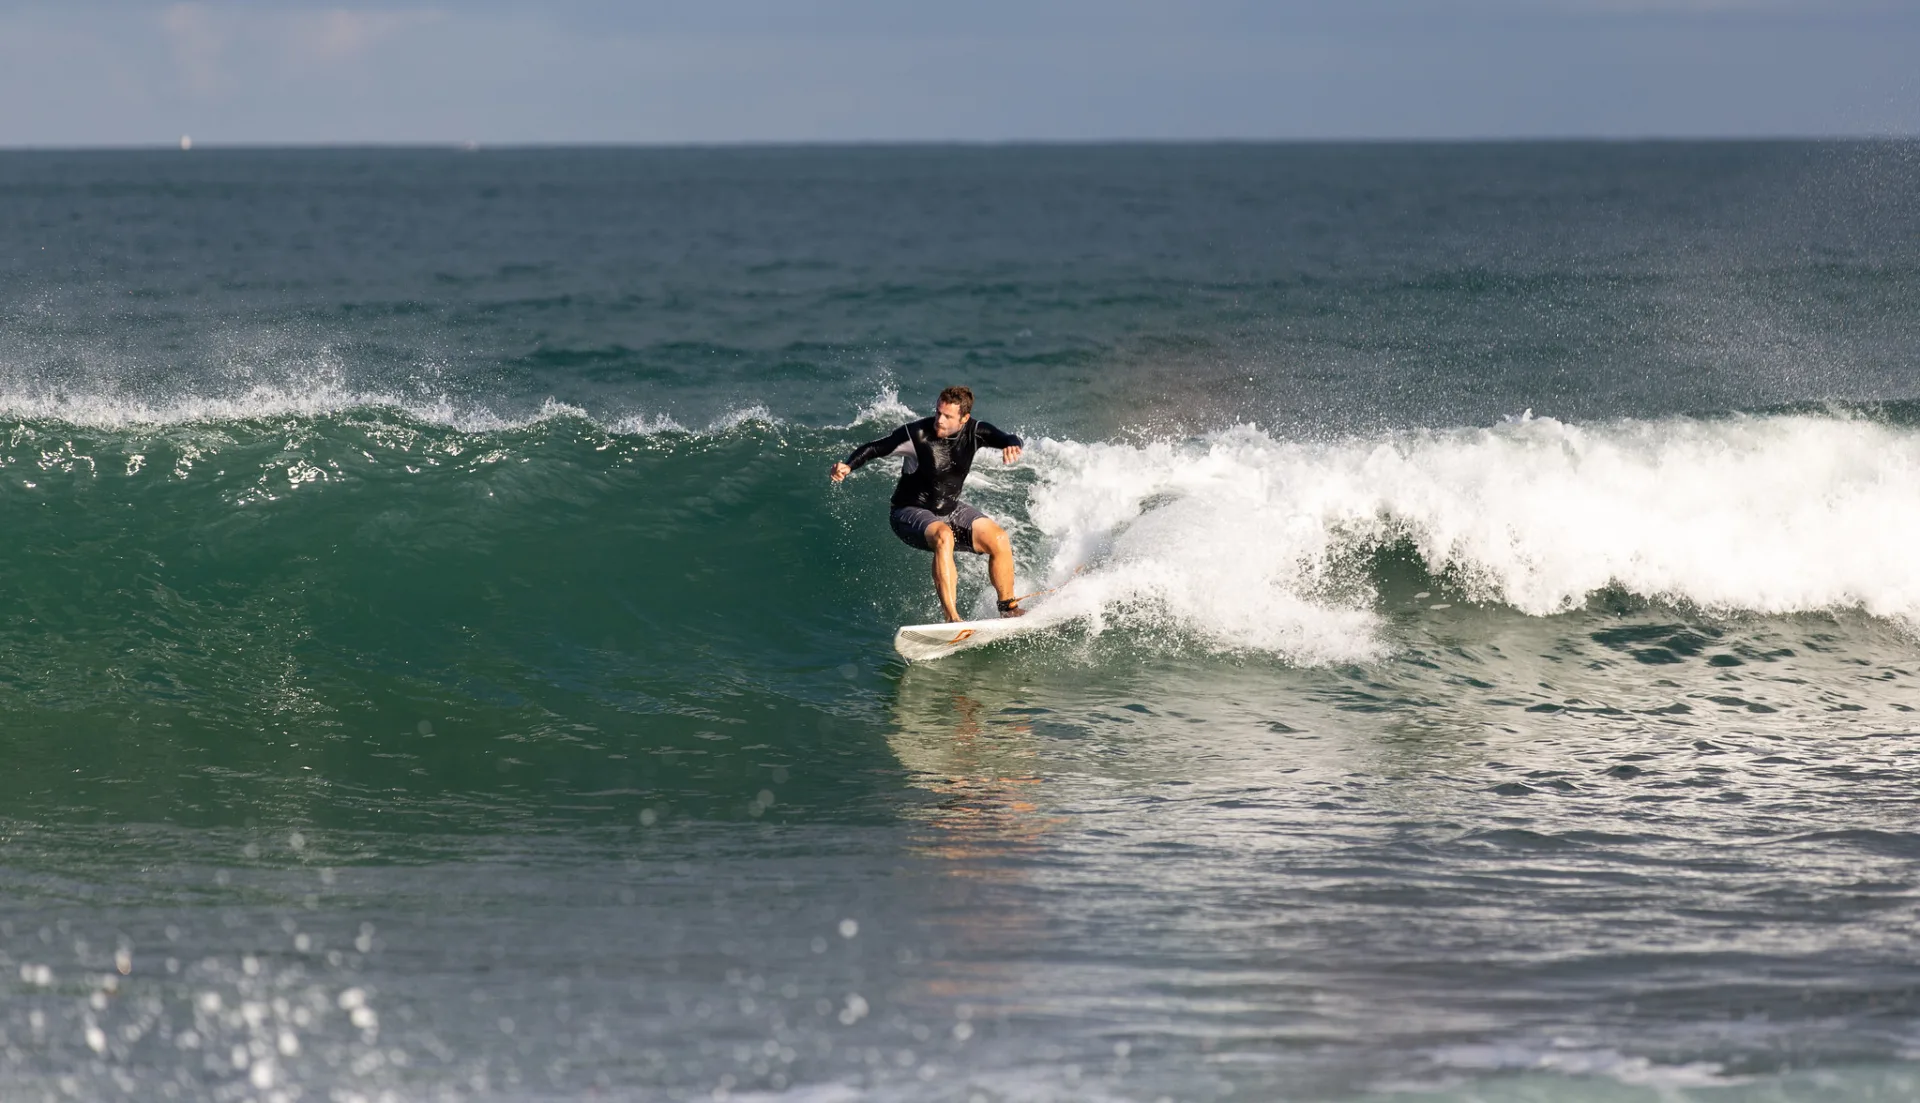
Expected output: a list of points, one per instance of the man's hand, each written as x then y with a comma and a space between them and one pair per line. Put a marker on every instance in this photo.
1009, 455
841, 471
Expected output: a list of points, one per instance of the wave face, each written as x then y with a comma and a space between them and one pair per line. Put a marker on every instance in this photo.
364, 569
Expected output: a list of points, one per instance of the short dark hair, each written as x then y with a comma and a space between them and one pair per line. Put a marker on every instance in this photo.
959, 396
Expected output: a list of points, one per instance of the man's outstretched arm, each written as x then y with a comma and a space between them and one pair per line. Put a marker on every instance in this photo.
991, 437
872, 450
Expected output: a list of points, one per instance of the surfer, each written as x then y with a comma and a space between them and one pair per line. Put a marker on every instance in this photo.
928, 514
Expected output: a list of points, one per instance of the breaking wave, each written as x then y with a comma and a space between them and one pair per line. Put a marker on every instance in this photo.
1251, 541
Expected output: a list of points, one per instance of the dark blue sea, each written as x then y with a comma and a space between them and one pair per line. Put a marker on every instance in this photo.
434, 665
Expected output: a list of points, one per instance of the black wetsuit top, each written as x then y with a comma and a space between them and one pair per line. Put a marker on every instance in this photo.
934, 469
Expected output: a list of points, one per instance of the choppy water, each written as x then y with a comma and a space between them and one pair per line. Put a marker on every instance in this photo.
434, 666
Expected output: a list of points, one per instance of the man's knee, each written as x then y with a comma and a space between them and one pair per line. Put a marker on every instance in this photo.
989, 537
940, 536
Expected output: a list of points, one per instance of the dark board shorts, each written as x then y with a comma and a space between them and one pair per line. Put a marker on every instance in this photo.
910, 525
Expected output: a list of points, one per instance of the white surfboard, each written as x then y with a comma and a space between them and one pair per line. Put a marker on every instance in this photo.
920, 642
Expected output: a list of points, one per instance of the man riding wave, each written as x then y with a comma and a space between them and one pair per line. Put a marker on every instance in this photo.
928, 512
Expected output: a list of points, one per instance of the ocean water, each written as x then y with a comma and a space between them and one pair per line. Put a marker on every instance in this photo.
435, 666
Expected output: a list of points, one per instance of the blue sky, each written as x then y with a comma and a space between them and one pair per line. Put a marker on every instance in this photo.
128, 72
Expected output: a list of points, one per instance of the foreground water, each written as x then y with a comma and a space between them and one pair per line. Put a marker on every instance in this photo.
434, 666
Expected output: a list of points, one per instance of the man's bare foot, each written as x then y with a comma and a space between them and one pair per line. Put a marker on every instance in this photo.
1011, 608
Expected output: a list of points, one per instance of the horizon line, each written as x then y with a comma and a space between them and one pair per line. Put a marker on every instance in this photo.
476, 146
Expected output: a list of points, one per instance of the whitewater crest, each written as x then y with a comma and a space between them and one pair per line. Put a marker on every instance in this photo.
1249, 540
322, 396
884, 408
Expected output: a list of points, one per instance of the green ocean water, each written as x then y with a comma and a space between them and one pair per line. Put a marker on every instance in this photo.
434, 665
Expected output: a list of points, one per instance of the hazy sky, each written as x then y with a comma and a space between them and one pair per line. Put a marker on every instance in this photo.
127, 72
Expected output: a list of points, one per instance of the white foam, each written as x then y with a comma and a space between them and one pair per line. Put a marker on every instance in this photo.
323, 395
1196, 537
1238, 537
646, 425
884, 407
112, 411
1566, 1059
318, 395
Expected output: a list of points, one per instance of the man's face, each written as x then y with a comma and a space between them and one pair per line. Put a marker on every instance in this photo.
950, 419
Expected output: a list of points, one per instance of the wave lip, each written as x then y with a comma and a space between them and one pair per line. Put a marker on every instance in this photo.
321, 394
1249, 540
320, 399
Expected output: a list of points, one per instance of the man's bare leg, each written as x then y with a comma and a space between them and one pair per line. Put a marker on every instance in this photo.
945, 577
998, 546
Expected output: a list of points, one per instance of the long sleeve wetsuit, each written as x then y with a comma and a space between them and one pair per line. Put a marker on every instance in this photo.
934, 469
